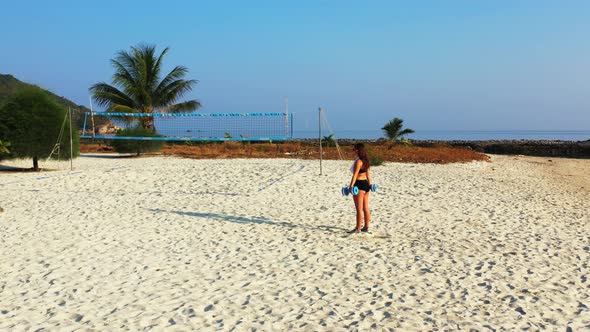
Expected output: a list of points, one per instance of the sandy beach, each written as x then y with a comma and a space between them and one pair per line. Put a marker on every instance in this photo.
261, 244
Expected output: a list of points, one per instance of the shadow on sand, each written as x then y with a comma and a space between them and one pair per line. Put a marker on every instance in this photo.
13, 169
108, 156
244, 220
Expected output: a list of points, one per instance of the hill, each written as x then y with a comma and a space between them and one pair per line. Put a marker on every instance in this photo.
9, 85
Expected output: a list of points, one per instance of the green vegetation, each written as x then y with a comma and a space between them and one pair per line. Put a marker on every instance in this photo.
4, 147
137, 86
31, 120
137, 146
9, 86
393, 130
330, 141
375, 161
374, 158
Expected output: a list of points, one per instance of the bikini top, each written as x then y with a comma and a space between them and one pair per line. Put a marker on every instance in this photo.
354, 164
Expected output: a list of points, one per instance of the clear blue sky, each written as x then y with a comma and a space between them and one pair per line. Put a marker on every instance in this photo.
439, 65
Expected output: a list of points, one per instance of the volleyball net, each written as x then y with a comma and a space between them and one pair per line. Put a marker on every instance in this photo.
191, 126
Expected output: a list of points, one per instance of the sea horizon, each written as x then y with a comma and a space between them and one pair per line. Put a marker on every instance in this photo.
458, 135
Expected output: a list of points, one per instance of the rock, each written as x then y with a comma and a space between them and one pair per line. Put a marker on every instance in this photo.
538, 148
107, 129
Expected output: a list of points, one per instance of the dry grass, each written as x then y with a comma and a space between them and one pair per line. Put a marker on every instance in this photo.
408, 154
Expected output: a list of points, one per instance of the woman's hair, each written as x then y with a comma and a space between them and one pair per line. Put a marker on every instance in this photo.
360, 148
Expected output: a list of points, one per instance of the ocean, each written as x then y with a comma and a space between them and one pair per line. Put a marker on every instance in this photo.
458, 135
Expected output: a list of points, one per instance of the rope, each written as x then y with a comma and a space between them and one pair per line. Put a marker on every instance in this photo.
57, 145
325, 120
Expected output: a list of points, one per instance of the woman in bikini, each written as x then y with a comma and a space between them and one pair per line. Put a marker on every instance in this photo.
361, 178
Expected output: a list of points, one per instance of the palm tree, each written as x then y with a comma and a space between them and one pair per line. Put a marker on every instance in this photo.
137, 86
330, 141
393, 129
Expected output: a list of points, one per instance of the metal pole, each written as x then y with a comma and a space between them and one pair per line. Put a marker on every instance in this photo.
91, 118
287, 115
320, 137
71, 143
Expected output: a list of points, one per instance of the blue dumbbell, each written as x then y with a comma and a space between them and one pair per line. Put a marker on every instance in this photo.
347, 190
355, 190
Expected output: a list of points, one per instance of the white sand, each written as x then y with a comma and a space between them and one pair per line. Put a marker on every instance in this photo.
169, 243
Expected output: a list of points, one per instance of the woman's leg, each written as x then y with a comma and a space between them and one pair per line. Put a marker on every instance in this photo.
358, 204
366, 210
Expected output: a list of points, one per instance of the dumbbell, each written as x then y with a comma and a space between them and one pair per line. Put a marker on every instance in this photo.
347, 190
355, 190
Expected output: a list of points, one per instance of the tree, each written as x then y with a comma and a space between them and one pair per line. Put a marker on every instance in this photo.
31, 120
393, 130
137, 86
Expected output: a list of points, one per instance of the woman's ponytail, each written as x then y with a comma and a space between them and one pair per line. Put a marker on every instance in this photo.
362, 153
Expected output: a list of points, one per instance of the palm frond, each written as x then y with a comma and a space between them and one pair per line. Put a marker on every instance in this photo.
106, 95
406, 132
158, 64
176, 74
174, 91
124, 60
123, 109
143, 56
187, 106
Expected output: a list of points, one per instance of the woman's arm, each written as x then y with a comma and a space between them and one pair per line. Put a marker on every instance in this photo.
369, 176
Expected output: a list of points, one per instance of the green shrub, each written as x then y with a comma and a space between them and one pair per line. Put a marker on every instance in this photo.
405, 142
4, 147
375, 161
137, 146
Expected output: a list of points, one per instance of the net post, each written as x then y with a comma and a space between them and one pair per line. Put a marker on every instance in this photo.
291, 127
287, 115
320, 136
71, 141
91, 119
84, 125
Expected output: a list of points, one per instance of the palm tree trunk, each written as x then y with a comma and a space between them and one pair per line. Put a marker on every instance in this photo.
36, 164
148, 123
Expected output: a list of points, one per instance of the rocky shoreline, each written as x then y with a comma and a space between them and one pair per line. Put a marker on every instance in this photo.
566, 149
538, 148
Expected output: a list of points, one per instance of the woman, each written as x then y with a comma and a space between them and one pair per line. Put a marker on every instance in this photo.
361, 178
